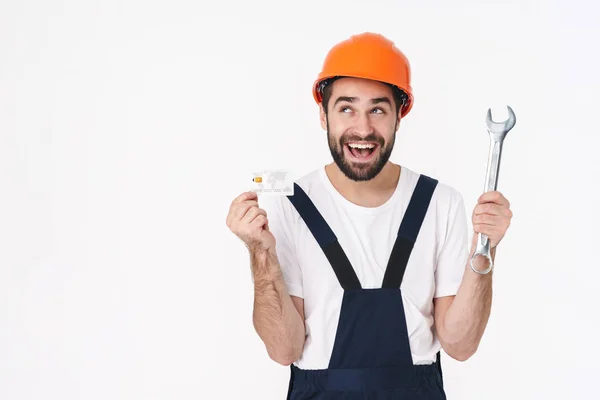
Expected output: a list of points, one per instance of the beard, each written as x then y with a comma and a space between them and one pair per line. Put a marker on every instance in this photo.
360, 171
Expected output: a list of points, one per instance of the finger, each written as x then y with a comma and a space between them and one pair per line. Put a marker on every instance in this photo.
250, 195
234, 213
493, 232
242, 208
493, 196
490, 236
259, 221
489, 208
252, 213
488, 230
488, 219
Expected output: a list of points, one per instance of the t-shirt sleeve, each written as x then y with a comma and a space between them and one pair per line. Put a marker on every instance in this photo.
281, 219
454, 251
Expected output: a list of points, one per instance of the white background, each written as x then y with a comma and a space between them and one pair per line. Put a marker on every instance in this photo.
127, 127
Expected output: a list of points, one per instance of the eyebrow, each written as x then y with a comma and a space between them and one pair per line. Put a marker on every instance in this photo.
376, 100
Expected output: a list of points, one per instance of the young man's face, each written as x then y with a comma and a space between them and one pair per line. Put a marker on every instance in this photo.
361, 113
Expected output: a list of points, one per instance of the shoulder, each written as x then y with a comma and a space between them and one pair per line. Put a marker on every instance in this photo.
444, 193
447, 217
446, 202
448, 196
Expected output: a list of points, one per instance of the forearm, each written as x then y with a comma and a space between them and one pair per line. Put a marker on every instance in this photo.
467, 317
275, 317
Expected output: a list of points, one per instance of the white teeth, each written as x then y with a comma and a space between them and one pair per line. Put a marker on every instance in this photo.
361, 146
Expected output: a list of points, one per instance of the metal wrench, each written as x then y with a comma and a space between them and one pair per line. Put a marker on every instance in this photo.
497, 131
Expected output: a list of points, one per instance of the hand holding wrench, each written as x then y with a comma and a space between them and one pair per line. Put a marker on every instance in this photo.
497, 132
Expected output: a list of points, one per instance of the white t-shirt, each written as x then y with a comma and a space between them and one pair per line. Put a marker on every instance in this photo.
367, 235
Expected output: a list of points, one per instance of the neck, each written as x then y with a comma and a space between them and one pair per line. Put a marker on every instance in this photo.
371, 193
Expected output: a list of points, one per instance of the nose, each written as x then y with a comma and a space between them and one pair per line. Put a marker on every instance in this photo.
363, 124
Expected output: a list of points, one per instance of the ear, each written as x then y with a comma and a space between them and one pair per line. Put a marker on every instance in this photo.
322, 117
398, 122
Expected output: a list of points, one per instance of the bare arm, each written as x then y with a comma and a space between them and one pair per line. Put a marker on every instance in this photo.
278, 317
461, 320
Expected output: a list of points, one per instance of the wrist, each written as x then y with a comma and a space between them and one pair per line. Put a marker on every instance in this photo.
262, 255
265, 264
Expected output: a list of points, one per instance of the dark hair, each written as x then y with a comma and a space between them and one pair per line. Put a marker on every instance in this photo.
400, 97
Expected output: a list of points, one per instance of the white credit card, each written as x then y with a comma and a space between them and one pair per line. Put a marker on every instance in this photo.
272, 182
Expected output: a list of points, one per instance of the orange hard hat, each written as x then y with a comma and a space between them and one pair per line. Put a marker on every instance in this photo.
370, 56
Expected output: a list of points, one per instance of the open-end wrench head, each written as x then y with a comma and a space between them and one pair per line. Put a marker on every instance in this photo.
500, 127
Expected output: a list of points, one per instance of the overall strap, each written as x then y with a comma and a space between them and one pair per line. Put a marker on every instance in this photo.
325, 238
438, 360
408, 231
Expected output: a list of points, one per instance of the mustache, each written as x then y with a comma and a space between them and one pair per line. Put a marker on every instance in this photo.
372, 137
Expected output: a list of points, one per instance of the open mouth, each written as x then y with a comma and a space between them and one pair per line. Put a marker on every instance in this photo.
361, 151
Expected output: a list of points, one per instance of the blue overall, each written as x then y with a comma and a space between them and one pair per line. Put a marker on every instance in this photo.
371, 356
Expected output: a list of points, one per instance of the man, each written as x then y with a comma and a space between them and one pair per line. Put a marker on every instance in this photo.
362, 277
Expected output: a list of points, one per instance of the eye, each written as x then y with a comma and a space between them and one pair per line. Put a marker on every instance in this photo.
378, 111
